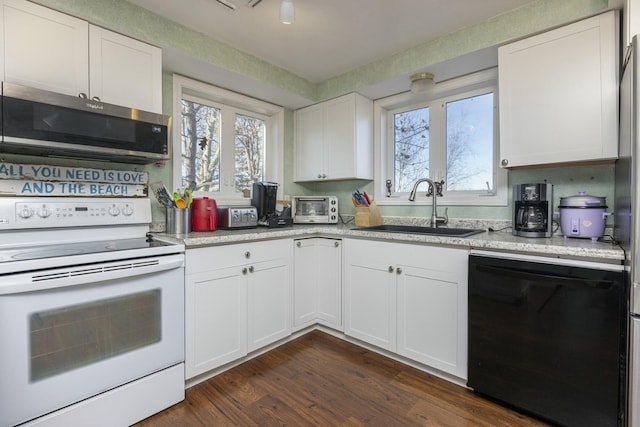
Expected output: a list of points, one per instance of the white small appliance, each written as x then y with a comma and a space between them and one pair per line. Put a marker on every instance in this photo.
315, 209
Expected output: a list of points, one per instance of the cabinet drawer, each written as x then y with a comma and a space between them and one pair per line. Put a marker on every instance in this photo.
216, 257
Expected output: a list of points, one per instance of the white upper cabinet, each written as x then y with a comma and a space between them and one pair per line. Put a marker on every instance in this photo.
124, 71
559, 95
334, 140
43, 48
46, 49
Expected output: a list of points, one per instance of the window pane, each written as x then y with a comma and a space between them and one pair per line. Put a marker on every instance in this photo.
201, 145
470, 144
249, 151
411, 147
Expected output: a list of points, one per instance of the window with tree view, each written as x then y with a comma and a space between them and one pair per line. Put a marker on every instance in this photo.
224, 141
218, 157
446, 134
468, 146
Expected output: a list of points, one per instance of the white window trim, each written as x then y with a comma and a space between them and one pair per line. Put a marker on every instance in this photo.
381, 111
274, 140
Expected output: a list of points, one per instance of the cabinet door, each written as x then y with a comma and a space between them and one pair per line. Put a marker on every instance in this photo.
370, 293
429, 318
125, 71
216, 319
44, 48
305, 283
340, 138
329, 282
269, 302
558, 95
309, 144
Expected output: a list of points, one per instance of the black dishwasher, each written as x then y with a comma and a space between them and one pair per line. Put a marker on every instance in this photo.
549, 339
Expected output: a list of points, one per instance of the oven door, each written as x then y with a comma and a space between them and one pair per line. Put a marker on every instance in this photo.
91, 329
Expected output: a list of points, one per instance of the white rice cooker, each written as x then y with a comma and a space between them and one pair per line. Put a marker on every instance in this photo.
583, 216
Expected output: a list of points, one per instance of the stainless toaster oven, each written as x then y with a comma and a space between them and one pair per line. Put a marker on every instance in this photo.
237, 217
315, 209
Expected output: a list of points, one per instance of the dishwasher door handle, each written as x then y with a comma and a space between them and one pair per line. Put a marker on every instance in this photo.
521, 274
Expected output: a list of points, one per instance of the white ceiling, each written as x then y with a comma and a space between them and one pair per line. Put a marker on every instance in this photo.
329, 37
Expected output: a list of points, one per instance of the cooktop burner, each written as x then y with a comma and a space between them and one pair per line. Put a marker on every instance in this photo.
81, 248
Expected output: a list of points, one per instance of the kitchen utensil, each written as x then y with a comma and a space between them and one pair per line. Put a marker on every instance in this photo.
583, 216
189, 193
162, 194
179, 201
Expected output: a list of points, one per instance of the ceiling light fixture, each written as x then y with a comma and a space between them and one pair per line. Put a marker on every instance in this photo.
287, 14
422, 82
227, 4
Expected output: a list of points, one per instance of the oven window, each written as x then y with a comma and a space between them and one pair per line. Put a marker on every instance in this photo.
70, 337
309, 207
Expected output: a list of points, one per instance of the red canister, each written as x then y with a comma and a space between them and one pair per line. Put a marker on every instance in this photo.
204, 214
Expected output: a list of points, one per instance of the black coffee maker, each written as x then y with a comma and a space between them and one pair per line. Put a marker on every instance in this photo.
264, 197
533, 210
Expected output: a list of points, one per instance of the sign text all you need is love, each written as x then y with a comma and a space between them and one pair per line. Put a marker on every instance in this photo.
47, 180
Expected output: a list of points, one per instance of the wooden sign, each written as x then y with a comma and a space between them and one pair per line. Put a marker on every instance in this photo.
46, 180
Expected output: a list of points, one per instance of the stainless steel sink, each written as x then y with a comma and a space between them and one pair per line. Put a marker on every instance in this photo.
416, 229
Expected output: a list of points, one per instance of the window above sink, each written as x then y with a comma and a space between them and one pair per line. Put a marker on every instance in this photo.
450, 134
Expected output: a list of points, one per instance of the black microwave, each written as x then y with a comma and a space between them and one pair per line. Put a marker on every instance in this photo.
42, 123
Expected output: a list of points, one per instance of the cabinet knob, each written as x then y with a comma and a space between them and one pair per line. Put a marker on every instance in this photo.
298, 244
324, 176
96, 98
247, 255
398, 270
336, 244
504, 162
319, 176
82, 95
251, 269
244, 270
390, 269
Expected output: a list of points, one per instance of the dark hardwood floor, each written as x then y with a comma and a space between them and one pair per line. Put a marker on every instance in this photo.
320, 380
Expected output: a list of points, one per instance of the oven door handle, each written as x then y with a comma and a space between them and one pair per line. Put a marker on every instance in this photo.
88, 273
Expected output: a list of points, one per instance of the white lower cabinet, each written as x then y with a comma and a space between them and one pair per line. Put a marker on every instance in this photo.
238, 299
409, 299
317, 282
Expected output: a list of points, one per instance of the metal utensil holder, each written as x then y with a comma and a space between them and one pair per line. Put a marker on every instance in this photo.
178, 221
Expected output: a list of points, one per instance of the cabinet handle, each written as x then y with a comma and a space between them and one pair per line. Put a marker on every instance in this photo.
298, 244
251, 269
390, 269
319, 176
247, 255
82, 95
398, 270
96, 98
244, 270
336, 244
324, 176
504, 162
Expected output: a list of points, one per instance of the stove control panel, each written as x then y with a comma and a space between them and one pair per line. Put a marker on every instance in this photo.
68, 212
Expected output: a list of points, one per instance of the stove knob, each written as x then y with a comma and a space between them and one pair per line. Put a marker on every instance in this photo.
25, 212
44, 212
114, 211
127, 211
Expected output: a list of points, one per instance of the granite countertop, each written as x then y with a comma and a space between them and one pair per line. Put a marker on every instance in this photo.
556, 246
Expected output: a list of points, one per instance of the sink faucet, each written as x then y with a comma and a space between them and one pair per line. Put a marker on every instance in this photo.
435, 189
